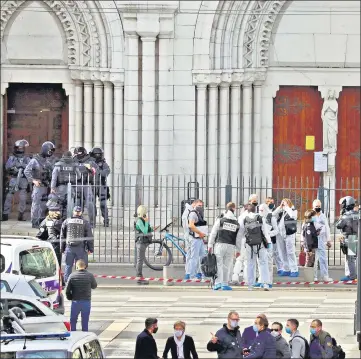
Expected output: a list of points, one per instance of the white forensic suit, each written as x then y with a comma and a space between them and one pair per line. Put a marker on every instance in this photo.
256, 252
187, 242
272, 228
224, 237
286, 244
321, 251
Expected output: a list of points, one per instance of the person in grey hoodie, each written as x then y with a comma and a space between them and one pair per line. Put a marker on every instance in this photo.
282, 347
228, 340
297, 342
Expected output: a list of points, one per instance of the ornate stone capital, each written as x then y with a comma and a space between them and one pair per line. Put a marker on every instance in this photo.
226, 76
259, 77
116, 77
324, 90
237, 77
201, 78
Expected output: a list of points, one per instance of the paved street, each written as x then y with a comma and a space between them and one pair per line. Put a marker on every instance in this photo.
118, 315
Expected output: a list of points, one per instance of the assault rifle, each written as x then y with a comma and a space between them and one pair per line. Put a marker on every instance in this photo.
18, 178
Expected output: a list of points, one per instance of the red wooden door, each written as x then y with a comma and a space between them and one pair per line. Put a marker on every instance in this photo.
348, 156
297, 114
36, 113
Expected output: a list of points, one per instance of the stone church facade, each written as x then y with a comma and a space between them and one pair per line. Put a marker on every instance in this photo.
217, 88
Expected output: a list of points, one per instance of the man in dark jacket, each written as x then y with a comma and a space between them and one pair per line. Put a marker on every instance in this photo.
78, 290
228, 341
249, 335
145, 346
264, 346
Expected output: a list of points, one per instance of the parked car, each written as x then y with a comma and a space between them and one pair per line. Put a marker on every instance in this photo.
24, 255
39, 318
68, 345
24, 285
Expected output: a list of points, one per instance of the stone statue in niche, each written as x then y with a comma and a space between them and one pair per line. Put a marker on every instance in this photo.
330, 125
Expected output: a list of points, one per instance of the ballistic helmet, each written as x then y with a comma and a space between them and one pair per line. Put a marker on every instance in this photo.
347, 203
47, 149
19, 146
97, 153
80, 152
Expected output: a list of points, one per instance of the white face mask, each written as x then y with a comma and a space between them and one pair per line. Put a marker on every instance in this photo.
275, 334
233, 323
178, 333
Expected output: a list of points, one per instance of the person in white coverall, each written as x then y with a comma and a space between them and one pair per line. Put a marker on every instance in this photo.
223, 240
287, 225
187, 209
255, 252
324, 242
272, 228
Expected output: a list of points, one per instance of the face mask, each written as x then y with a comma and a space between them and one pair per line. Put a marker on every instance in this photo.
288, 330
234, 323
318, 209
313, 331
313, 219
255, 203
155, 330
275, 334
255, 328
178, 333
271, 206
199, 209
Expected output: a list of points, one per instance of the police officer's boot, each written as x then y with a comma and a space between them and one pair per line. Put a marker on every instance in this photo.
21, 217
5, 217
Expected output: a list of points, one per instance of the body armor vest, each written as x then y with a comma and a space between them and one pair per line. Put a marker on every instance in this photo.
54, 227
350, 223
86, 176
75, 231
67, 173
44, 172
228, 230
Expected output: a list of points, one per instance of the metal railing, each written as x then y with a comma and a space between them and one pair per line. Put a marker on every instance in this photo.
166, 196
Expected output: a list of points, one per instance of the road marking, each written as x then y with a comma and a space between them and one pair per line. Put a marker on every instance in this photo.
112, 331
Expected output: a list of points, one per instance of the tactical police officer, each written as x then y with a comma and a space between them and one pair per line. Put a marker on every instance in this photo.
15, 167
38, 172
76, 240
101, 188
52, 159
50, 229
88, 170
224, 237
348, 224
65, 171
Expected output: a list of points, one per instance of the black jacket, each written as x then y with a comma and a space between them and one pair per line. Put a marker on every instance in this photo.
311, 236
188, 348
80, 285
145, 346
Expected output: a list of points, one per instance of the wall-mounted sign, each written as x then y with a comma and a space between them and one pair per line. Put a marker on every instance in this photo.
310, 143
320, 163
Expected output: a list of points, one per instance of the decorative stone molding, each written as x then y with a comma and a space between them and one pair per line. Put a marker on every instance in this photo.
4, 86
325, 89
147, 7
266, 31
78, 25
94, 74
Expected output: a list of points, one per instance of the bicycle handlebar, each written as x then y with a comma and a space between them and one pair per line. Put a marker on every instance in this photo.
166, 227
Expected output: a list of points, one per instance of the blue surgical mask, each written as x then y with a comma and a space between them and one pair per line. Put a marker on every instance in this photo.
313, 331
234, 323
313, 219
255, 328
288, 330
178, 333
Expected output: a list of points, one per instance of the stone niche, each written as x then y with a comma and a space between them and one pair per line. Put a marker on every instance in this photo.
317, 34
34, 36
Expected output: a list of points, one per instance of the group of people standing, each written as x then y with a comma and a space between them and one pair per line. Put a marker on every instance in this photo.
47, 178
264, 235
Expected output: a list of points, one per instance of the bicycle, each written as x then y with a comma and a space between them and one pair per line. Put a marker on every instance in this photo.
163, 246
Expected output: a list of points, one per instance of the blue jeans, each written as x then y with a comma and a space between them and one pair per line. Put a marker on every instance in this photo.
197, 252
83, 307
72, 254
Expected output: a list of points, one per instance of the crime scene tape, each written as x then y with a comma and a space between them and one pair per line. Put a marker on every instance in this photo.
174, 280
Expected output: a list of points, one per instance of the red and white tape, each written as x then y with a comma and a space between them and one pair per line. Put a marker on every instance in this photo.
173, 280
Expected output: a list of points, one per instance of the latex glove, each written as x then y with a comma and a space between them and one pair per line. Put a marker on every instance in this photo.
269, 245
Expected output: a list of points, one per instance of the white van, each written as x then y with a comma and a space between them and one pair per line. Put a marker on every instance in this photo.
31, 256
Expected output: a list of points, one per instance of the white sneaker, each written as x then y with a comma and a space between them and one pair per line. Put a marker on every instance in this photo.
266, 287
327, 279
315, 279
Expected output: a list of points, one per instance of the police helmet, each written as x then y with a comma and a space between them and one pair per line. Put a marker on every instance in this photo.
80, 152
53, 201
19, 146
67, 155
97, 153
77, 211
47, 149
347, 203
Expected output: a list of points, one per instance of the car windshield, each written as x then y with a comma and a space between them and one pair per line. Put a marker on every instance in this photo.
39, 262
37, 289
54, 354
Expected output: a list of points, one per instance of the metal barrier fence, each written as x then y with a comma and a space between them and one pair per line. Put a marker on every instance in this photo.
166, 196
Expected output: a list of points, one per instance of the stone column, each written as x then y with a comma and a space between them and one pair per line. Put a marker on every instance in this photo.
118, 144
71, 138
201, 132
98, 115
212, 152
88, 115
235, 137
247, 139
78, 113
131, 113
149, 152
224, 141
257, 117
109, 129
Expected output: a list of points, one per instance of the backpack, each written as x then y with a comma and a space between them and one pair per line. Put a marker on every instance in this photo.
338, 352
269, 222
209, 266
307, 346
290, 225
253, 231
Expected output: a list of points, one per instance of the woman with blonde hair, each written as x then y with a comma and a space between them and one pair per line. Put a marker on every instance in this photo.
180, 345
286, 216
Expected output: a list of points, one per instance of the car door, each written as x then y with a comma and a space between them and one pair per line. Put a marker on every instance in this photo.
4, 286
28, 308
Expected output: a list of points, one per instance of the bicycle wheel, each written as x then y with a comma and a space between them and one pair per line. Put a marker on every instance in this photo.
158, 255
